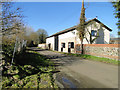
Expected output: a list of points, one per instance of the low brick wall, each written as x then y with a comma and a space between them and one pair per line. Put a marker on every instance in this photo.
101, 50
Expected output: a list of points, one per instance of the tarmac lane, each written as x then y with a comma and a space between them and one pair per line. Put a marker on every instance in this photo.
82, 73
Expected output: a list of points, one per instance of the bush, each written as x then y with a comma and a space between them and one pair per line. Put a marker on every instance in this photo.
7, 52
8, 46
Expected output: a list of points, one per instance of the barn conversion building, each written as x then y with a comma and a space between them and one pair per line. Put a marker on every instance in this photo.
65, 41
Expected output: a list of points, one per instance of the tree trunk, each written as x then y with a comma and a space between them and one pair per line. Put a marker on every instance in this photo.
82, 50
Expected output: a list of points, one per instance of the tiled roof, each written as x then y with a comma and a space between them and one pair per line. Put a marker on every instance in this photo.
74, 27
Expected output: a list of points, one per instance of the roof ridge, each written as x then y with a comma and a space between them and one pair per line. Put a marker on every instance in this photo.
74, 27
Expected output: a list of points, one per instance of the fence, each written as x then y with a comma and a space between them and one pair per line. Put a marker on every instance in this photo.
19, 47
101, 50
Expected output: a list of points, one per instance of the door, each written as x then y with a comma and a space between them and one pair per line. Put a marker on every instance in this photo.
69, 47
61, 49
56, 43
49, 45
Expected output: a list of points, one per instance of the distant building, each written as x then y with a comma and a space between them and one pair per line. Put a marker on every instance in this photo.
65, 41
114, 40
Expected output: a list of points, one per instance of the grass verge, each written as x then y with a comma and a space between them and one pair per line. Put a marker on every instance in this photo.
95, 58
30, 70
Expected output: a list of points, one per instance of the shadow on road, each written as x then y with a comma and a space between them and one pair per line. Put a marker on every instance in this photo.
80, 71
58, 58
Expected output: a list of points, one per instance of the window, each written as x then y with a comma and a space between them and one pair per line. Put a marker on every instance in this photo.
73, 32
72, 44
69, 44
63, 45
93, 33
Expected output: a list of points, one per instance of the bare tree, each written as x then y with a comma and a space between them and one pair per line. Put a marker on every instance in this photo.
28, 30
11, 20
88, 35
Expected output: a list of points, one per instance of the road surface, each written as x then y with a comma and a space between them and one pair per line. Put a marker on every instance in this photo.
81, 73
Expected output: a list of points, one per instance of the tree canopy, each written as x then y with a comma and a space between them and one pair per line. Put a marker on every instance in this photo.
116, 5
42, 35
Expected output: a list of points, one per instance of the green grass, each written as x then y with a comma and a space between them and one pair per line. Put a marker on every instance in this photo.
95, 58
39, 47
30, 70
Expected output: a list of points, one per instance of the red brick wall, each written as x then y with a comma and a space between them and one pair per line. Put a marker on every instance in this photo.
102, 50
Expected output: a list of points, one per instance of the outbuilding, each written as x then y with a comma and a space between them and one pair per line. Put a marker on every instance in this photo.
65, 40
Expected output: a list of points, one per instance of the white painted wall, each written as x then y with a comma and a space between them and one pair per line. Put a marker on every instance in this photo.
100, 39
65, 38
67, 34
106, 36
43, 46
72, 36
78, 40
87, 35
51, 41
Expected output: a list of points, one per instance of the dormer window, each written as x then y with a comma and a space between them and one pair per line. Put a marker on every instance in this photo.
93, 33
